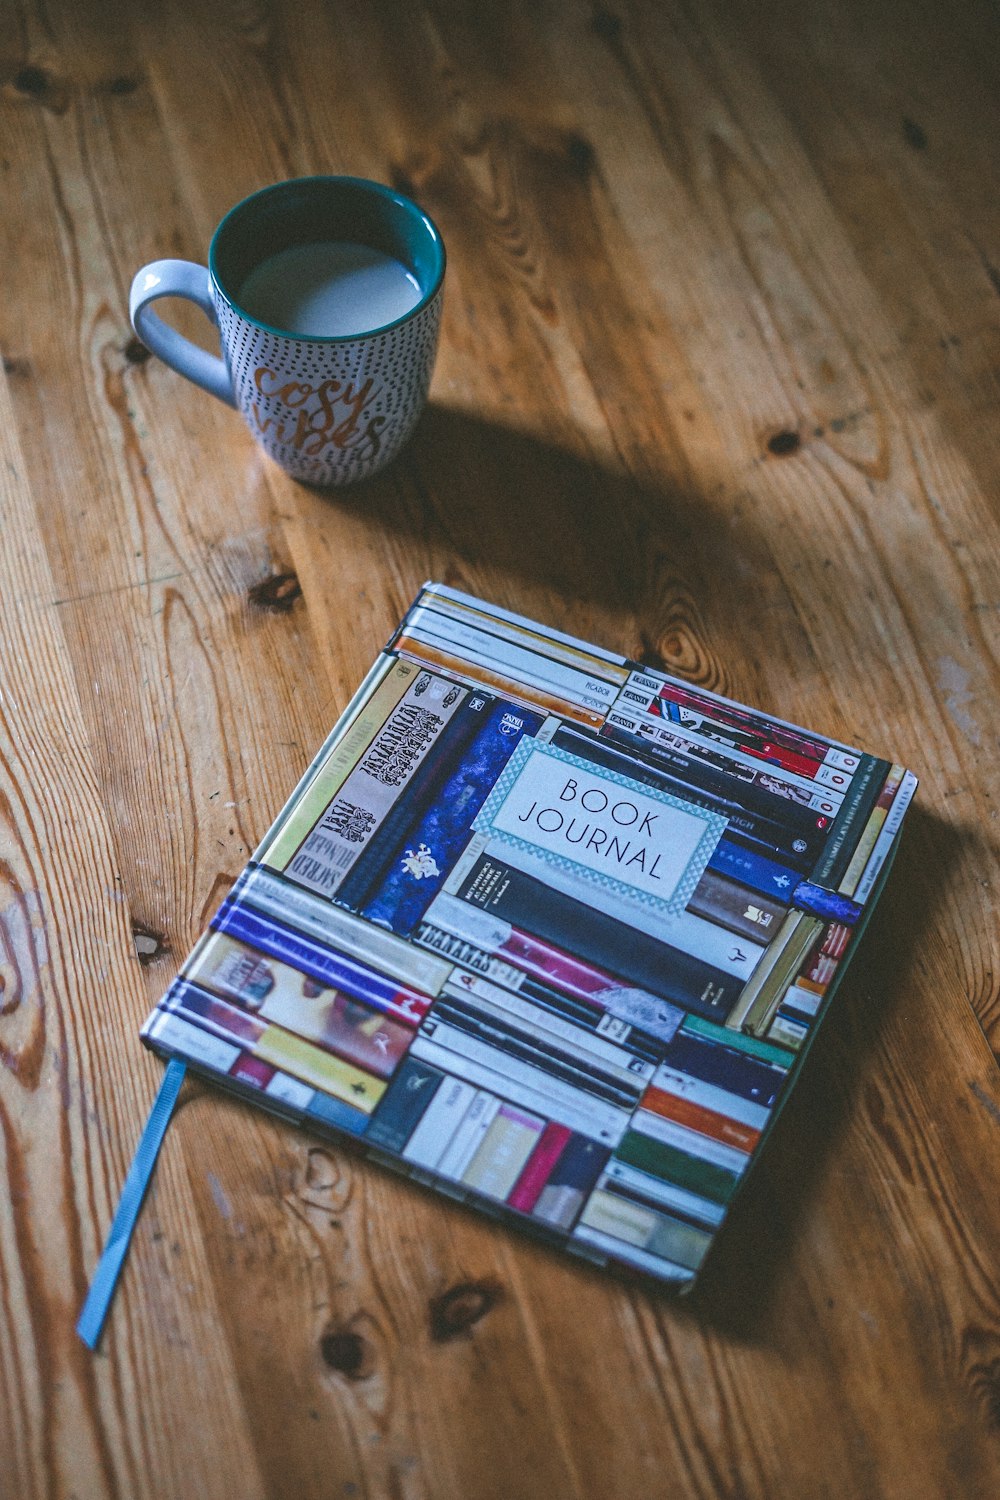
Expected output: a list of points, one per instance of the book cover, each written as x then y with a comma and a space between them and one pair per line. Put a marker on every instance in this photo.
547, 928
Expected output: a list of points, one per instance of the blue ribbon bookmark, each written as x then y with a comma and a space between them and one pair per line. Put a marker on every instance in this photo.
105, 1279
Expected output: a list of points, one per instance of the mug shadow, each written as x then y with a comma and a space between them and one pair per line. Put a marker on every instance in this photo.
481, 503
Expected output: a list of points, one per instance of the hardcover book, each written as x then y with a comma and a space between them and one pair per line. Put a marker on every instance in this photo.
547, 930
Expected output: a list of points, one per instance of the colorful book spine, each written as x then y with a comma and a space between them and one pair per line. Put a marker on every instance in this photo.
885, 844
440, 835
539, 1167
503, 1152
390, 839
736, 907
754, 812
468, 1134
345, 828
686, 930
633, 956
403, 1104
274, 992
848, 826
288, 906
813, 746
873, 828
423, 653
727, 1068
697, 1117
763, 994
438, 1124
733, 856
571, 1180
309, 801
323, 964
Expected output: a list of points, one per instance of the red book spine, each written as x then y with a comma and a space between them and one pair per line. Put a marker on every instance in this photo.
526, 1190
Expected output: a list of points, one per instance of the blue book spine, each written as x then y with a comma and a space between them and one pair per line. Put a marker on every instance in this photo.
302, 953
829, 905
402, 1106
389, 840
725, 1068
730, 857
441, 834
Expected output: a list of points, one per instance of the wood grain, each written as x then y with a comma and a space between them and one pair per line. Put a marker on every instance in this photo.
717, 387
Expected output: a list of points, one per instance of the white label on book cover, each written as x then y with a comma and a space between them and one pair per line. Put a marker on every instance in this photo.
638, 841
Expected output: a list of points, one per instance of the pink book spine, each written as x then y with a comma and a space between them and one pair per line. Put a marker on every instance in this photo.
569, 974
526, 1190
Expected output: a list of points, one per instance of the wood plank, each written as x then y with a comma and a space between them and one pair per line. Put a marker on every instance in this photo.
717, 387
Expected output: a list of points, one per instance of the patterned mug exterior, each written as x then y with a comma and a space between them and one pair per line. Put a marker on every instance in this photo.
330, 410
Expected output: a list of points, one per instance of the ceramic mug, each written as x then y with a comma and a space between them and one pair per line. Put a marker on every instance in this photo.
331, 409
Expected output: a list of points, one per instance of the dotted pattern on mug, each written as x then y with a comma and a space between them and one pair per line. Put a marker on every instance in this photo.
330, 413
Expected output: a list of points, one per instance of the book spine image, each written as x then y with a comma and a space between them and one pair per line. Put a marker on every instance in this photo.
634, 1226
738, 1040
804, 792
767, 876
494, 1044
830, 905
763, 994
685, 1086
175, 1035
684, 930
660, 1193
545, 638
319, 1069
469, 1133
577, 1169
539, 1167
756, 813
714, 705
873, 828
424, 654
380, 668
499, 649
557, 1022
322, 964
727, 1068
848, 826
345, 829
886, 840
807, 815
707, 1122
490, 947
658, 1159
274, 992
632, 956
439, 1123
503, 1152
441, 834
451, 1051
308, 802
389, 841
403, 1104
736, 907
289, 906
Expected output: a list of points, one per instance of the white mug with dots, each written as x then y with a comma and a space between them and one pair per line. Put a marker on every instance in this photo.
326, 292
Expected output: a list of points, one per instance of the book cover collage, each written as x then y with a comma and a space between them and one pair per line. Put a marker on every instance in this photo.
545, 929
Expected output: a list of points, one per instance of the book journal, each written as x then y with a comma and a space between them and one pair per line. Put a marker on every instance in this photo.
546, 929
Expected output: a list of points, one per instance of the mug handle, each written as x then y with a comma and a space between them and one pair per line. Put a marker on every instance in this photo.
178, 278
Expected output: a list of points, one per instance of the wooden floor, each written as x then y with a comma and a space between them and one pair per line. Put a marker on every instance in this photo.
719, 387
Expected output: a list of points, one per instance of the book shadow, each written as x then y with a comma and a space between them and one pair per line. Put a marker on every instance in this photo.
739, 1283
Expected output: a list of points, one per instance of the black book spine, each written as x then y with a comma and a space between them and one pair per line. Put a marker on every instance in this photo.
848, 826
634, 957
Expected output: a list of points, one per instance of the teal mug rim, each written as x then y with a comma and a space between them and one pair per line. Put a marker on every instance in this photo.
378, 189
